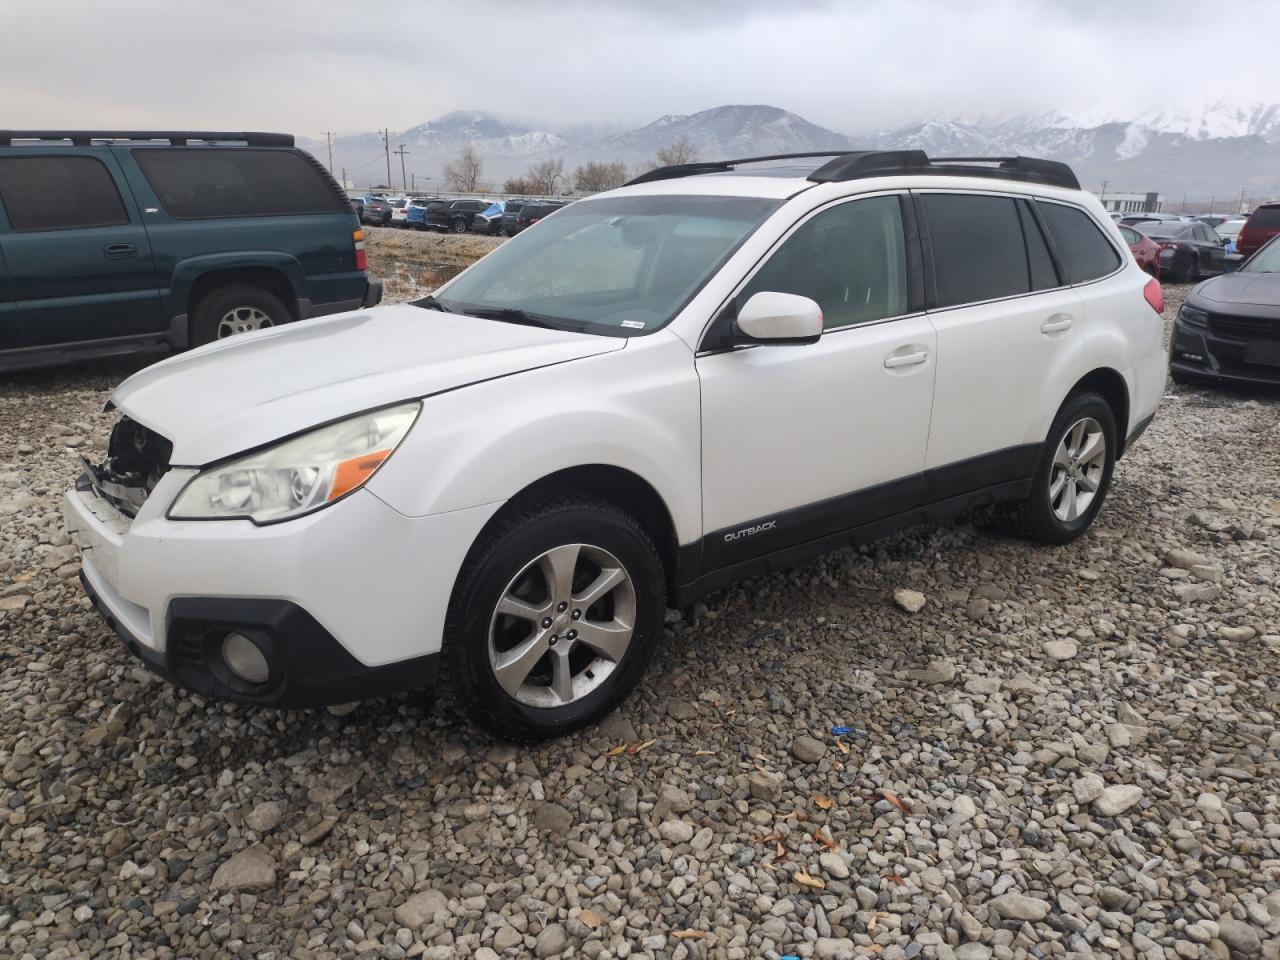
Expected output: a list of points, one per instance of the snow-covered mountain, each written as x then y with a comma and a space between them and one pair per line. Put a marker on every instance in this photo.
1199, 149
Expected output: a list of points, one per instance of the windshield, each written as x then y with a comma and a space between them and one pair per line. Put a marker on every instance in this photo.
613, 265
1266, 260
492, 210
1229, 229
1163, 228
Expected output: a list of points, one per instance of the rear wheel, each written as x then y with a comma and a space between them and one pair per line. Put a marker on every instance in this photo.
459, 226
236, 309
553, 619
1072, 476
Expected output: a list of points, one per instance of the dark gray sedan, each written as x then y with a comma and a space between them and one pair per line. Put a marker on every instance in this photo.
1189, 250
1229, 327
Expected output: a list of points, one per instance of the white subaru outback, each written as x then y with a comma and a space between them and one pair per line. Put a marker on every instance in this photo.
715, 371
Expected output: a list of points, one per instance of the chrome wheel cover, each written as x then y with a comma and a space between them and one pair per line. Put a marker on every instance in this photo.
562, 625
242, 320
1079, 463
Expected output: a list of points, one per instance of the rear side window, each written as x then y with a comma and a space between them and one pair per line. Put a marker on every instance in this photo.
59, 193
978, 251
1085, 253
1268, 217
1044, 276
208, 183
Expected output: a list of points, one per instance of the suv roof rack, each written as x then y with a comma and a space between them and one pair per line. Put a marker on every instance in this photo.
859, 164
177, 138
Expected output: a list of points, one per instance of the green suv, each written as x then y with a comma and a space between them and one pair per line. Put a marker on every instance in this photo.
118, 242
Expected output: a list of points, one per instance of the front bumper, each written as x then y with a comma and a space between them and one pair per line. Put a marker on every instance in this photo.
346, 603
1199, 352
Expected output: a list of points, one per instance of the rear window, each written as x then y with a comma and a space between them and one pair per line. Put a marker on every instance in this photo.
1085, 252
59, 193
207, 183
978, 252
1268, 217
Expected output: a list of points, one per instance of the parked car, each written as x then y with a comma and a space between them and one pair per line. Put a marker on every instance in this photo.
113, 245
1210, 219
1145, 250
403, 207
1188, 250
1134, 219
377, 210
1228, 329
656, 392
531, 213
489, 220
509, 214
454, 216
1229, 231
1262, 225
357, 204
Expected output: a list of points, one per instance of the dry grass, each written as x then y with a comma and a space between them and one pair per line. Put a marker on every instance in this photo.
412, 264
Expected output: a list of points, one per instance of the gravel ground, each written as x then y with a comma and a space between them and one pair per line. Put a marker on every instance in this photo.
1064, 752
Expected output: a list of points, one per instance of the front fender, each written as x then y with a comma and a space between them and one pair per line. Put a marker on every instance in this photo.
636, 409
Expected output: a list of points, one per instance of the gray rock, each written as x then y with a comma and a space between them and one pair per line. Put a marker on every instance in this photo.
250, 869
420, 908
1115, 800
1018, 906
1061, 649
764, 785
265, 817
552, 818
911, 601
676, 831
506, 938
808, 749
833, 865
551, 941
1240, 937
1088, 787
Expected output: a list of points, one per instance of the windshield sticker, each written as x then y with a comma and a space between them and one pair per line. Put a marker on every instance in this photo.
633, 324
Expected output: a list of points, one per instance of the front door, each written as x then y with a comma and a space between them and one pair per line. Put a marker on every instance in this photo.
803, 441
79, 260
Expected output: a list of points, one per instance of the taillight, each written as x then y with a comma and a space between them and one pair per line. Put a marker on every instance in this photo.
1154, 294
362, 259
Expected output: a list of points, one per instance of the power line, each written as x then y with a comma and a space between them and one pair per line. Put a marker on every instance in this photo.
404, 180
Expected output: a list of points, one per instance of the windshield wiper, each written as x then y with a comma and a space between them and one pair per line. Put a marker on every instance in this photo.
514, 315
429, 302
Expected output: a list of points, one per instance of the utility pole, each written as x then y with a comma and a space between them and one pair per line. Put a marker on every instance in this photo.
1103, 198
386, 147
328, 135
344, 178
404, 180
1211, 204
413, 182
1240, 202
1182, 207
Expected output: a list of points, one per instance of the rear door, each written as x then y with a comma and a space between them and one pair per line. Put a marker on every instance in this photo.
10, 336
80, 262
1008, 327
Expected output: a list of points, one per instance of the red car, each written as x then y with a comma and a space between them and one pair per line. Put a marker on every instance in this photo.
1262, 225
1145, 250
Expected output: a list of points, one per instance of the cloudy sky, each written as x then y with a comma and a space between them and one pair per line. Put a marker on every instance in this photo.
310, 65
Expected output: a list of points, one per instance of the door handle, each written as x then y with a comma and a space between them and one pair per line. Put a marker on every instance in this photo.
1056, 323
905, 359
120, 251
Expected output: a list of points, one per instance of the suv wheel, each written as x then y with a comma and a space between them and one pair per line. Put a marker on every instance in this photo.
459, 226
1073, 475
236, 309
553, 619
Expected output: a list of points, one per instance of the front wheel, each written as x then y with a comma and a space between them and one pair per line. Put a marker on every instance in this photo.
459, 226
553, 619
1072, 476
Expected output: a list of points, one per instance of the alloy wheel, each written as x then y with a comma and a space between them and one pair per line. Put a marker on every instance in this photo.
242, 320
1079, 464
562, 625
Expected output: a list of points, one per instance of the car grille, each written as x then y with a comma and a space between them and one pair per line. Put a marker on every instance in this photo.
137, 458
1245, 328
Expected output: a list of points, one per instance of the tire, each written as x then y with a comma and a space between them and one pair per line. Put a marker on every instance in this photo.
1186, 272
236, 309
459, 226
529, 704
1046, 518
1196, 273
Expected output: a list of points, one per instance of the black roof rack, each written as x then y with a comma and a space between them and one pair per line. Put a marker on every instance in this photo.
859, 164
177, 138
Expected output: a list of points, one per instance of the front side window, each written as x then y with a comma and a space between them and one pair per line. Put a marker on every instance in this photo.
1085, 253
1129, 236
59, 193
851, 259
200, 183
978, 248
618, 265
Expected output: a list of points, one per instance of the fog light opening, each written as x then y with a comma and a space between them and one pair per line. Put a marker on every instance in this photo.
245, 659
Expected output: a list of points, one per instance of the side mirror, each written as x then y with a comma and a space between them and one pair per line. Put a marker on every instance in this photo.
779, 318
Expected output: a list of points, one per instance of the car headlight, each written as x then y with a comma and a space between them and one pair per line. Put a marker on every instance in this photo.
300, 475
1193, 316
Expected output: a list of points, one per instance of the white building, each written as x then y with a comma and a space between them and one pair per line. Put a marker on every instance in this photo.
1132, 202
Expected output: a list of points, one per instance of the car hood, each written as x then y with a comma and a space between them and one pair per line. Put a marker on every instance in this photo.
1254, 289
254, 388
